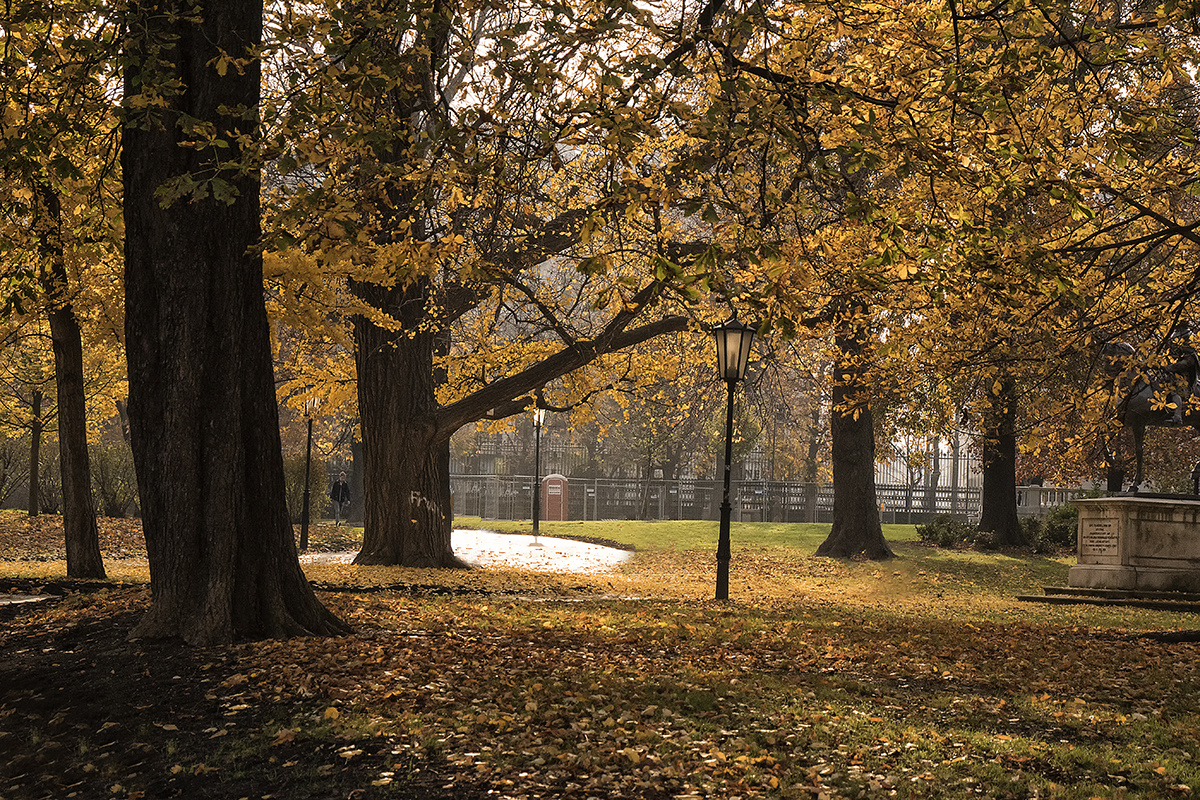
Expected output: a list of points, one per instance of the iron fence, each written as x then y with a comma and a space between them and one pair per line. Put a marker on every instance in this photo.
511, 497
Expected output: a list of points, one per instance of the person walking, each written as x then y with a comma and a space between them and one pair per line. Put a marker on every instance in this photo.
340, 495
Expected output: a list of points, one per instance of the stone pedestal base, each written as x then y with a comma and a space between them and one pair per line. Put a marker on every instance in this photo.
1138, 543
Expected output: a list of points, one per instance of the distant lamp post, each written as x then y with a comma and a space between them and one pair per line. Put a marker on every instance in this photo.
539, 416
734, 340
310, 406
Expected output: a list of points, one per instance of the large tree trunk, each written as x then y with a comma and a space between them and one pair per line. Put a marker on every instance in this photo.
35, 452
203, 418
999, 512
79, 510
406, 456
406, 433
856, 529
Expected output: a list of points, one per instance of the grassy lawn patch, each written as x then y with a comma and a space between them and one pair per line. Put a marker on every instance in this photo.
682, 534
917, 677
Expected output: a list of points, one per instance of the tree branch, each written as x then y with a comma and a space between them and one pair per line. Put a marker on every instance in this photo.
499, 398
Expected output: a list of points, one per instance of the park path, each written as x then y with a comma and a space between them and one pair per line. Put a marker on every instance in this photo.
482, 549
501, 550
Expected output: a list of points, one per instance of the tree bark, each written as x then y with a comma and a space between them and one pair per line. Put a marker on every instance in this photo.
35, 452
813, 451
203, 419
123, 415
934, 476
82, 537
405, 432
79, 509
856, 528
999, 511
406, 454
357, 486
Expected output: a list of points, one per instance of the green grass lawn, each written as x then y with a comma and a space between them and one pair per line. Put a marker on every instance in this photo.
684, 534
773, 560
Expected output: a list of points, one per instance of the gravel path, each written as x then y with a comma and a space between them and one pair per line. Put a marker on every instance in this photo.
487, 549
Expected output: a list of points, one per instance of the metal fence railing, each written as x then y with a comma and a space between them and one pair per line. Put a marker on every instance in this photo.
511, 497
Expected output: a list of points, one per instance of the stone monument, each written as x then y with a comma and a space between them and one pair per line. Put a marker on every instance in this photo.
1138, 542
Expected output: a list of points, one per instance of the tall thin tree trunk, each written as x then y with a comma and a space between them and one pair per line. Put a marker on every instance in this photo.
35, 452
812, 492
357, 485
79, 509
644, 509
955, 490
123, 415
203, 417
812, 452
934, 476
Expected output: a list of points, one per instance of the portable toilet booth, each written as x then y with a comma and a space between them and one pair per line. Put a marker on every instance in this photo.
554, 498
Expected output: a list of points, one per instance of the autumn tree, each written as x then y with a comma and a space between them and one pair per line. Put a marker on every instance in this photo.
465, 176
202, 409
1017, 196
663, 412
856, 526
1093, 245
57, 148
791, 400
775, 148
27, 402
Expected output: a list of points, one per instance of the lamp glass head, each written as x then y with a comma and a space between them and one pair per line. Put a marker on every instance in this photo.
734, 340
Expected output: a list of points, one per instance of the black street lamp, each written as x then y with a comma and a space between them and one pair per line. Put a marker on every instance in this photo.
539, 416
734, 340
309, 407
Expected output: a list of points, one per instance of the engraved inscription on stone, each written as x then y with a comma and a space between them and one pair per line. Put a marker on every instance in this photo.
1098, 538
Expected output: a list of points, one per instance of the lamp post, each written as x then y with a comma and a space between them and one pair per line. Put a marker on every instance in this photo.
734, 340
309, 406
539, 416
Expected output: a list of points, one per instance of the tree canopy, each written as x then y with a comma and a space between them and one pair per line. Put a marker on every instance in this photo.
468, 211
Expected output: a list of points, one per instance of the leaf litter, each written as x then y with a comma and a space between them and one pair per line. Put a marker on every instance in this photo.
823, 679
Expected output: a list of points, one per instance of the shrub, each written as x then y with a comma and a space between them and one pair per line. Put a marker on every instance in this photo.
1062, 523
1056, 531
947, 530
14, 466
114, 482
1032, 530
986, 540
49, 482
1046, 534
293, 475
